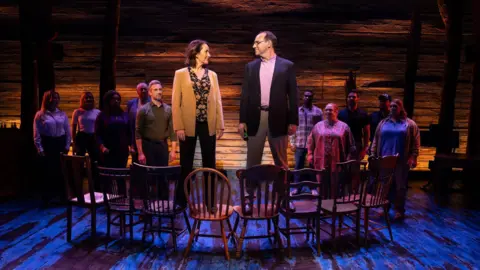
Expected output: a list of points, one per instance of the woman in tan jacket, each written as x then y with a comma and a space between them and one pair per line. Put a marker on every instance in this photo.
197, 109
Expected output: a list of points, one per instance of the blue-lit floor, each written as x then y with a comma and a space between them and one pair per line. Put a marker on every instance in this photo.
430, 237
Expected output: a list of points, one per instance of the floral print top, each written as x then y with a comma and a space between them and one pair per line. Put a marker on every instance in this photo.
201, 88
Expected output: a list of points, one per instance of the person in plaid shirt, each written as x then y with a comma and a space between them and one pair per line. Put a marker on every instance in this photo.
308, 116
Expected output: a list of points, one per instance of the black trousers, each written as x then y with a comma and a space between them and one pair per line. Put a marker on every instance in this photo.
85, 143
156, 153
187, 155
52, 184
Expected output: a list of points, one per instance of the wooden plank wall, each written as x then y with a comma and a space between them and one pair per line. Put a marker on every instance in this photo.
325, 40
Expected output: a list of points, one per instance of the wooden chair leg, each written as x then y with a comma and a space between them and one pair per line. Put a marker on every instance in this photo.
225, 242
340, 223
197, 228
317, 234
69, 223
190, 240
120, 224
357, 225
109, 216
366, 226
232, 235
308, 229
93, 213
269, 229
289, 243
334, 242
174, 234
277, 233
235, 225
387, 219
131, 226
187, 222
242, 237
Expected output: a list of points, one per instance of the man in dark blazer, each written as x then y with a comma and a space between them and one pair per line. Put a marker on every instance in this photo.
269, 102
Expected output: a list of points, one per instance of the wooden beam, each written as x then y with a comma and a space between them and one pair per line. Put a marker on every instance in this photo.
453, 30
109, 48
29, 93
473, 143
412, 60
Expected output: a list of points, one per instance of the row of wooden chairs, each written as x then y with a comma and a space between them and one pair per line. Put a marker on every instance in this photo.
264, 195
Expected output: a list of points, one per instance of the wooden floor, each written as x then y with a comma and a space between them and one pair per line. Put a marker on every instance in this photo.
430, 238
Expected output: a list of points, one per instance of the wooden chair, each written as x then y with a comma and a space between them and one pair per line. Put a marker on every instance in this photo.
346, 197
208, 194
267, 184
306, 205
75, 169
160, 200
115, 185
376, 194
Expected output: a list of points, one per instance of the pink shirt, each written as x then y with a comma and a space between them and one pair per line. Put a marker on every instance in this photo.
328, 145
266, 75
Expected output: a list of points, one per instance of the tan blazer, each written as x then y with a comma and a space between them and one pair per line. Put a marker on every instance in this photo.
184, 104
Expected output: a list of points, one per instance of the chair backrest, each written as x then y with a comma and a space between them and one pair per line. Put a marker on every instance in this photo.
347, 182
313, 179
160, 185
115, 186
267, 182
382, 170
75, 169
208, 193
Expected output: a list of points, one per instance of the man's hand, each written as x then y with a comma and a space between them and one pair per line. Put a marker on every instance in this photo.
241, 129
41, 153
293, 148
172, 155
412, 162
219, 134
142, 159
181, 134
292, 129
131, 149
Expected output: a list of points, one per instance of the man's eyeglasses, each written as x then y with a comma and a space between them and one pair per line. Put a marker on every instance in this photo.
256, 43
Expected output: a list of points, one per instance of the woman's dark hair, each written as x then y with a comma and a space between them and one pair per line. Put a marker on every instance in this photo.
47, 99
106, 102
193, 48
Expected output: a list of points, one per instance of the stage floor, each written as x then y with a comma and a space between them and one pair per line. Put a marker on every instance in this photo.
430, 237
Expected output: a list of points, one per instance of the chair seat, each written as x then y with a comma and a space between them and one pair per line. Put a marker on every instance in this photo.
327, 205
255, 213
369, 202
302, 207
98, 196
201, 212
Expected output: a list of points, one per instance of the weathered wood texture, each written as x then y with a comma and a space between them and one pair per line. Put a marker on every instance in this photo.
324, 40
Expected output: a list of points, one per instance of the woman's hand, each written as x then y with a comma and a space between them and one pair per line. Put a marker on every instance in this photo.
219, 134
181, 134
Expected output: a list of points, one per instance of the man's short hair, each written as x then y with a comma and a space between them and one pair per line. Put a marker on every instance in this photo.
269, 36
153, 82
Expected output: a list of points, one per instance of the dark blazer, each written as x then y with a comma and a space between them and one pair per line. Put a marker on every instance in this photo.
283, 107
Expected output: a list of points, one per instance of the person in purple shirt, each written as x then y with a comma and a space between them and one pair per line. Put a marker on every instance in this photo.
398, 134
51, 135
269, 102
112, 131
